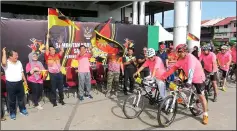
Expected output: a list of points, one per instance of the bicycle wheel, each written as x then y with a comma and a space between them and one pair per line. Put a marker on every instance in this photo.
167, 108
195, 105
133, 103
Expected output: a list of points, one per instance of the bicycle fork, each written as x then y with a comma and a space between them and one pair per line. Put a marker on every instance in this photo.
138, 100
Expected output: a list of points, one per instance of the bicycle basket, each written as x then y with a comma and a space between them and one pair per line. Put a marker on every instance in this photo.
172, 86
138, 80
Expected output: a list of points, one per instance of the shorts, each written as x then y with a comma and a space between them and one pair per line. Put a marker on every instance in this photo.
212, 77
200, 87
224, 73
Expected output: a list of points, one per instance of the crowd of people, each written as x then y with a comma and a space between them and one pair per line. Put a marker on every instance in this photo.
159, 65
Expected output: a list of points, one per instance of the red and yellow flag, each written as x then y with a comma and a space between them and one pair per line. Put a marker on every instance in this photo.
55, 17
192, 37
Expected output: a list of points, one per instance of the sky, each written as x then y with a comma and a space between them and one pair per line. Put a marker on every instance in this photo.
210, 10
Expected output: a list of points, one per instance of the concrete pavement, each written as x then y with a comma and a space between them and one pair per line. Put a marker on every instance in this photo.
106, 114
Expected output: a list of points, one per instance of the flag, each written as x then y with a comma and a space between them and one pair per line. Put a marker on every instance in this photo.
104, 40
192, 37
153, 37
55, 17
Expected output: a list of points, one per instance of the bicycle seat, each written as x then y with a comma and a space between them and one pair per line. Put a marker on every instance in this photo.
149, 82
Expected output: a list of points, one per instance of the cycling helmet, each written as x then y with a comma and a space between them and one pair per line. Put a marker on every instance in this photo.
206, 47
181, 47
224, 47
151, 52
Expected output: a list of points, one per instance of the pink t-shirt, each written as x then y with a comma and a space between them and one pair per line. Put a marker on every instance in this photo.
209, 62
157, 64
84, 64
191, 62
31, 78
233, 54
223, 59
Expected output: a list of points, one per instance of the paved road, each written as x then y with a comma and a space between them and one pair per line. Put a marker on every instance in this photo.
106, 114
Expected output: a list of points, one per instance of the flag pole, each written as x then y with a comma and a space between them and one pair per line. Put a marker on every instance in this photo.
47, 36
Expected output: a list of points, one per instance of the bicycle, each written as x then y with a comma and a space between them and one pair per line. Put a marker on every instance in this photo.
179, 95
145, 89
232, 72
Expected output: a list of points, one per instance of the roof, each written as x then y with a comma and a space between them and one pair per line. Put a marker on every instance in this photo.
204, 21
212, 22
225, 21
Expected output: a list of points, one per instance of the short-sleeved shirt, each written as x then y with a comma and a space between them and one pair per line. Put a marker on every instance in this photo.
129, 58
157, 64
163, 57
114, 66
210, 63
83, 63
233, 54
13, 71
142, 56
223, 59
191, 62
53, 62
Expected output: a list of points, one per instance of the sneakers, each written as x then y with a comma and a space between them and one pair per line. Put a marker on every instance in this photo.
39, 107
62, 102
90, 96
224, 89
81, 98
55, 104
13, 116
24, 112
205, 120
215, 98
3, 119
107, 94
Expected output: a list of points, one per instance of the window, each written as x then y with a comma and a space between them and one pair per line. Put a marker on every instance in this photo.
234, 34
234, 24
225, 26
217, 27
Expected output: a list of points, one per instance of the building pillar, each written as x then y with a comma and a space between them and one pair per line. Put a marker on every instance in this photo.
135, 13
152, 18
180, 23
194, 22
163, 17
142, 13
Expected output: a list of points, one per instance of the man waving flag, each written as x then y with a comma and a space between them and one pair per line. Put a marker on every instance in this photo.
55, 17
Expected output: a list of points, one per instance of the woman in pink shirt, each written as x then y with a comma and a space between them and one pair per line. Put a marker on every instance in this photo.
35, 79
210, 67
193, 69
157, 68
233, 54
224, 60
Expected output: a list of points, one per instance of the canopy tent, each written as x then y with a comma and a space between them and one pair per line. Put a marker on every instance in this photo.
163, 34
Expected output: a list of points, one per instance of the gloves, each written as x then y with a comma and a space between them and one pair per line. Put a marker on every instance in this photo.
187, 85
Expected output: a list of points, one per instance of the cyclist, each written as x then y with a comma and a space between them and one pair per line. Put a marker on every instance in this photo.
210, 66
193, 69
224, 60
157, 68
233, 54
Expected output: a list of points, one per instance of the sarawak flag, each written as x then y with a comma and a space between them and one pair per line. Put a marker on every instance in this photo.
55, 17
192, 37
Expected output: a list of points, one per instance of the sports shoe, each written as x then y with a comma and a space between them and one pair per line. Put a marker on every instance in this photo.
55, 104
3, 119
24, 112
39, 107
215, 98
205, 120
90, 96
13, 116
223, 89
81, 98
62, 102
